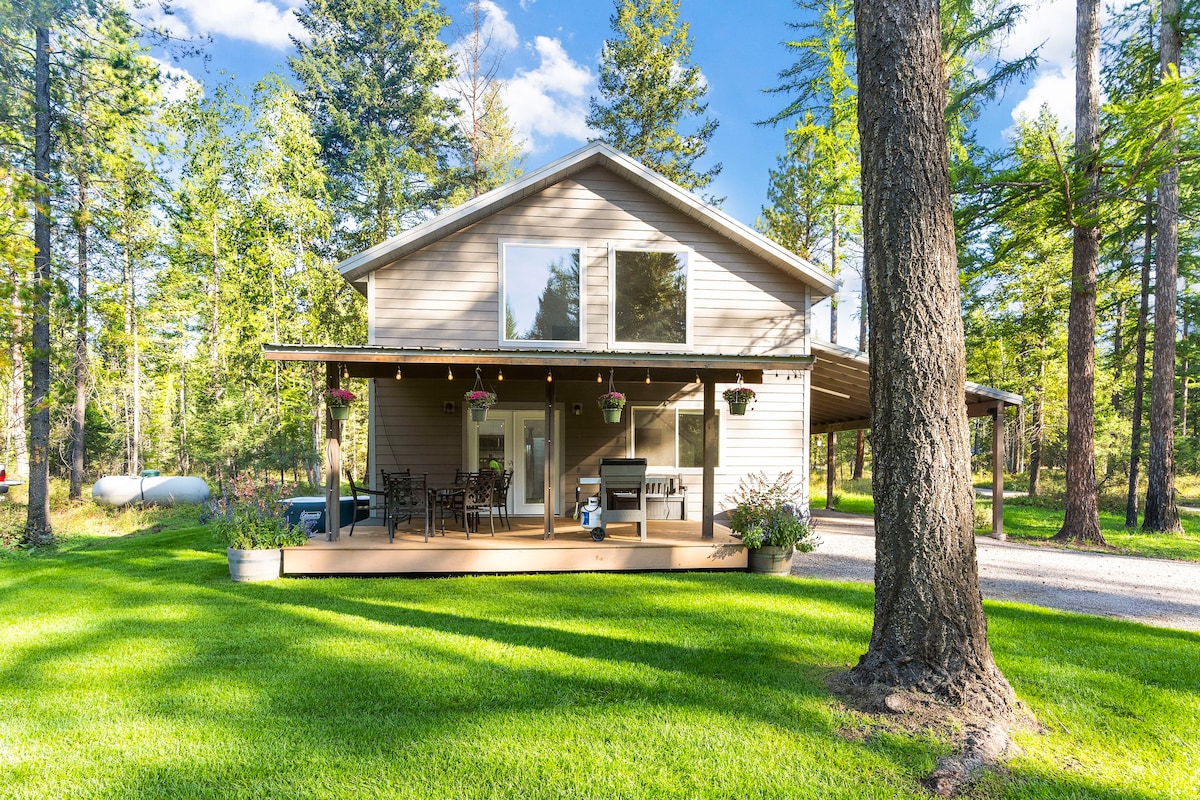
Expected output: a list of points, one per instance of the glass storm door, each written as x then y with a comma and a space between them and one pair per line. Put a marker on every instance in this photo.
515, 440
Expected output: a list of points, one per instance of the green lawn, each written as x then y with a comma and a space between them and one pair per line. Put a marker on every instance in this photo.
132, 667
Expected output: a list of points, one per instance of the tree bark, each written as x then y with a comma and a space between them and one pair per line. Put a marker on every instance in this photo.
38, 531
930, 633
1081, 523
1139, 371
860, 446
1161, 513
79, 411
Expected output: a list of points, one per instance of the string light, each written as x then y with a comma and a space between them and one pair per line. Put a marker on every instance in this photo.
500, 375
399, 374
549, 376
345, 371
598, 378
647, 376
449, 374
697, 378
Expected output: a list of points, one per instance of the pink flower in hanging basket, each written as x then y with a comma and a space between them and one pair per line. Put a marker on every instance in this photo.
611, 400
477, 398
339, 397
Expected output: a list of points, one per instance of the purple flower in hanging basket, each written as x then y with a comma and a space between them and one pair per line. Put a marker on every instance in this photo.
611, 400
477, 398
339, 397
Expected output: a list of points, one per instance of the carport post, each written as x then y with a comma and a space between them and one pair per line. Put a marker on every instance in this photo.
709, 482
998, 471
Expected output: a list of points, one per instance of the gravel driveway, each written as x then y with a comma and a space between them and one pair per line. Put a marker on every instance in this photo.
1150, 590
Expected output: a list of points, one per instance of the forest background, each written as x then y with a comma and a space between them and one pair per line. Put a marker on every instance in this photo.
188, 225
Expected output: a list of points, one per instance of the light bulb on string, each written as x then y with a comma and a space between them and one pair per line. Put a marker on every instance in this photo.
449, 374
399, 374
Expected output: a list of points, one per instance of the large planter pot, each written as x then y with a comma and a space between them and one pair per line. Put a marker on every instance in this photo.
246, 566
737, 409
340, 413
771, 560
611, 414
478, 414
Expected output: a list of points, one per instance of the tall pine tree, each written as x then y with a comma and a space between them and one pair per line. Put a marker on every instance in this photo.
649, 90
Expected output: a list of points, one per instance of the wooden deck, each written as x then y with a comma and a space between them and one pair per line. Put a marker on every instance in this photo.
670, 545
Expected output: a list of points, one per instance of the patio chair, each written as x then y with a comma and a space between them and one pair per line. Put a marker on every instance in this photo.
500, 496
473, 499
356, 490
405, 497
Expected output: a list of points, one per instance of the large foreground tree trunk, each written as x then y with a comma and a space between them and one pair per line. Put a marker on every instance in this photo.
1081, 524
1161, 512
38, 531
929, 634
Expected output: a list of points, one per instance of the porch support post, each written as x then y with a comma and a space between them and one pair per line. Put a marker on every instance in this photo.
830, 467
710, 458
998, 471
548, 478
333, 459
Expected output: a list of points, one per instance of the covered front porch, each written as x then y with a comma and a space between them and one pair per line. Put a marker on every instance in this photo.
671, 545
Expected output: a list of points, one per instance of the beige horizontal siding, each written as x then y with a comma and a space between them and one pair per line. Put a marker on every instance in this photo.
446, 295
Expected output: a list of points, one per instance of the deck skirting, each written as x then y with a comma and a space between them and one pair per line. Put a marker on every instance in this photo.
670, 546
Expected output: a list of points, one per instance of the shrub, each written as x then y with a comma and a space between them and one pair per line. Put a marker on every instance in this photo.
253, 518
769, 512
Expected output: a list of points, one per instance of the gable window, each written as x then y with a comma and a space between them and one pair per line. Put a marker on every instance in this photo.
539, 292
671, 437
650, 297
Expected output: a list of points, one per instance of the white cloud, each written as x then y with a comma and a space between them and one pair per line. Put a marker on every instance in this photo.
177, 82
1050, 24
551, 99
259, 21
1054, 88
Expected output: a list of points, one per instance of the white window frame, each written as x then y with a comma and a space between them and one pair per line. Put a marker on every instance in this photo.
688, 259
545, 344
691, 408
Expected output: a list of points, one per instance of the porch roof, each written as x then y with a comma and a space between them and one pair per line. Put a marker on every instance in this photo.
841, 391
369, 361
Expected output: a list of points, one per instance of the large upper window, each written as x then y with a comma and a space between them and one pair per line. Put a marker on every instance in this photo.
539, 293
670, 437
650, 297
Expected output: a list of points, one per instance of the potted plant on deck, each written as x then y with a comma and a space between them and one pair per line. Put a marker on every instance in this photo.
772, 522
253, 525
479, 401
338, 401
738, 397
611, 404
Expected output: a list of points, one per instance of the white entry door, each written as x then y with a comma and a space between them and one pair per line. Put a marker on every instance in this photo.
517, 441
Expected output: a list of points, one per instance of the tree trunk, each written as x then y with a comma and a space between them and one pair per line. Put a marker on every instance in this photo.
38, 531
860, 447
79, 411
929, 633
1161, 513
16, 440
1139, 372
1081, 523
1184, 370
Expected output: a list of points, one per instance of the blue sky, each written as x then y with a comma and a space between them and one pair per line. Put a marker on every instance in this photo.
551, 56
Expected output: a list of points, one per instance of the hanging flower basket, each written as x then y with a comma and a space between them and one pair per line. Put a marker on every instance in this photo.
338, 402
479, 401
737, 398
610, 404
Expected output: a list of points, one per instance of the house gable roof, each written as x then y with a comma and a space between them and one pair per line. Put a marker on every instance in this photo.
357, 267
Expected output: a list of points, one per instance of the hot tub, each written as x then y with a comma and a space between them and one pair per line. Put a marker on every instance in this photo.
298, 505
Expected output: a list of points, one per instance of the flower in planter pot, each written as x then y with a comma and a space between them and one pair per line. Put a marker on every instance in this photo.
339, 398
610, 400
738, 397
611, 404
253, 526
478, 398
338, 402
771, 522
